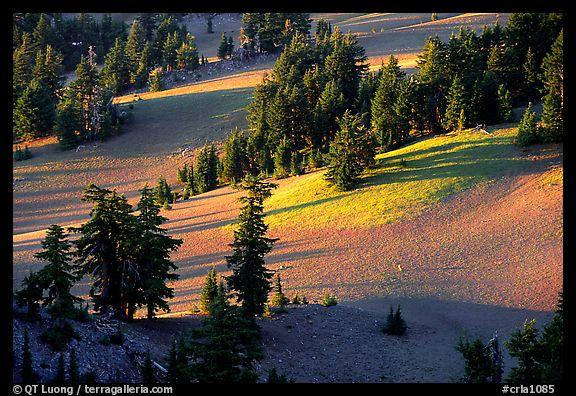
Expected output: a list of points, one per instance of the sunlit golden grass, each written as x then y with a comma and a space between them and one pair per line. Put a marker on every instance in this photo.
241, 80
402, 184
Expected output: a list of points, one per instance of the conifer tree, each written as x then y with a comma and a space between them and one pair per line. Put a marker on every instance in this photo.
225, 348
552, 112
235, 160
350, 153
331, 105
527, 129
22, 62
134, 47
57, 275
385, 121
209, 292
153, 248
145, 64
170, 51
279, 299
116, 70
205, 175
282, 159
250, 279
191, 181
187, 54
223, 47
105, 250
34, 111
28, 374
155, 81
30, 295
177, 363
504, 104
457, 102
48, 69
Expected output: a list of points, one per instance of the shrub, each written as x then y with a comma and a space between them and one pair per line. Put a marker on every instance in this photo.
57, 337
329, 300
395, 324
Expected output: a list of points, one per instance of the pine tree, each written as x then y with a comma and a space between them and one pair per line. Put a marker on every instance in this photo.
524, 345
145, 64
504, 104
279, 299
331, 105
235, 160
223, 47
30, 295
28, 374
229, 47
116, 70
552, 113
480, 365
57, 275
457, 101
384, 118
531, 76
155, 81
395, 324
48, 69
275, 378
225, 348
350, 153
177, 363
250, 279
170, 51
182, 174
148, 370
34, 111
187, 54
527, 129
209, 292
205, 175
282, 159
191, 183
134, 47
153, 249
22, 62
105, 249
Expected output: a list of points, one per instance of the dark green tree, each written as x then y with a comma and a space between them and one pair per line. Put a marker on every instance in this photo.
134, 47
250, 279
395, 324
155, 81
225, 348
105, 250
282, 158
350, 153
483, 363
279, 299
235, 160
457, 101
116, 70
153, 249
209, 292
527, 129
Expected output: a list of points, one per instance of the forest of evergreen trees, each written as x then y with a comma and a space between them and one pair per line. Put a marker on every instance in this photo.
297, 120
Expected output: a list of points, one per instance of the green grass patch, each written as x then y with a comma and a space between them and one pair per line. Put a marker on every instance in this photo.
404, 182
